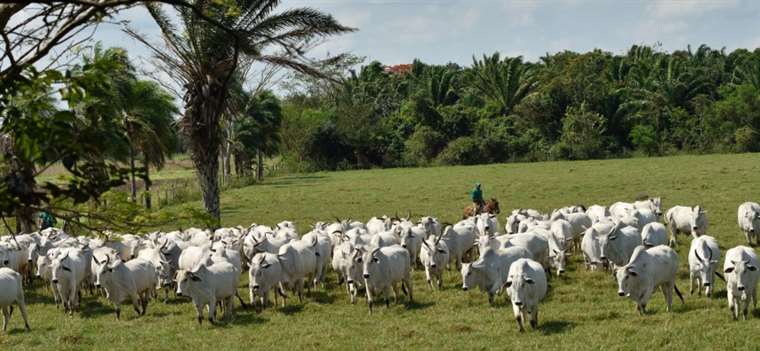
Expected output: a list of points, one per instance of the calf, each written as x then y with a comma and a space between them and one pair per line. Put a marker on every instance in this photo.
704, 255
682, 219
207, 284
749, 221
434, 256
591, 247
648, 270
11, 293
740, 268
526, 286
383, 269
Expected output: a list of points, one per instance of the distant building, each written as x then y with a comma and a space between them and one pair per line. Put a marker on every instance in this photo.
399, 69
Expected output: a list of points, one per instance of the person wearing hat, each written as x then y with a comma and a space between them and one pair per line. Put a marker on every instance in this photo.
477, 198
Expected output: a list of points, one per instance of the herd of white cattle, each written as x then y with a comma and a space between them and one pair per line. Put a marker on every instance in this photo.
627, 239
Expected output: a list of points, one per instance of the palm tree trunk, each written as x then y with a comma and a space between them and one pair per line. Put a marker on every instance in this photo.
259, 165
148, 202
133, 182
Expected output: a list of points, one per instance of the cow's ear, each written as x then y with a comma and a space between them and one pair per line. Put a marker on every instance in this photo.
728, 270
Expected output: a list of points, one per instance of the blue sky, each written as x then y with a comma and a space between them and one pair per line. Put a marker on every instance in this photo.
440, 31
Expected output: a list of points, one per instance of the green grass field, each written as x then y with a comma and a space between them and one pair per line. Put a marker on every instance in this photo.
582, 310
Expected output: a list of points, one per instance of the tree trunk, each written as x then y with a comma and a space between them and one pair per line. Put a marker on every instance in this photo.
133, 182
259, 166
24, 220
208, 176
148, 202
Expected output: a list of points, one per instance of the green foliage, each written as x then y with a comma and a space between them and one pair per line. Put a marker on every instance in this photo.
582, 133
423, 145
643, 137
461, 151
567, 105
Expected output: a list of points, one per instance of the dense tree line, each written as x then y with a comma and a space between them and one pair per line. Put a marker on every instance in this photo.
565, 106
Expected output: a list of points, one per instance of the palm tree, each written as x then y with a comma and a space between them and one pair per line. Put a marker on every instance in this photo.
203, 57
504, 82
149, 125
257, 131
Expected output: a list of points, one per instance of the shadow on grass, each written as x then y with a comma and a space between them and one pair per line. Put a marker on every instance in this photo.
416, 305
721, 294
91, 309
295, 181
289, 310
322, 297
556, 327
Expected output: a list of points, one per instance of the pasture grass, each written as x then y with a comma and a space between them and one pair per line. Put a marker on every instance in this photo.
582, 311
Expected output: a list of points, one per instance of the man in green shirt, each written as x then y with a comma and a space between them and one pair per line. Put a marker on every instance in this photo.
46, 220
477, 198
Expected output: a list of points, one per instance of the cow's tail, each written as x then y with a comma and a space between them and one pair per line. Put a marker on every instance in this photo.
678, 292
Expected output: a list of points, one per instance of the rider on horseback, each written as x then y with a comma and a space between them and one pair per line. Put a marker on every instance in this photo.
477, 198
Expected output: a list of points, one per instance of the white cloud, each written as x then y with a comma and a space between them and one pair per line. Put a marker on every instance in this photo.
687, 8
521, 12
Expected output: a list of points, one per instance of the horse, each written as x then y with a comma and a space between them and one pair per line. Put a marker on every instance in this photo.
491, 206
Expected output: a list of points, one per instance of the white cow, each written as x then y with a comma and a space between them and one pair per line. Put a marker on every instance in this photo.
654, 234
434, 256
11, 293
490, 271
526, 286
210, 282
383, 269
69, 270
653, 204
264, 274
704, 255
648, 270
459, 238
299, 262
134, 280
740, 268
682, 219
346, 262
749, 221
597, 212
432, 226
618, 245
486, 223
590, 245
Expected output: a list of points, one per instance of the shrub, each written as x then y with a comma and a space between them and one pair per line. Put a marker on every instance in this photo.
461, 151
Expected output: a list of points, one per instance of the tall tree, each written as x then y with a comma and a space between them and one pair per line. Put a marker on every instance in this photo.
202, 58
505, 82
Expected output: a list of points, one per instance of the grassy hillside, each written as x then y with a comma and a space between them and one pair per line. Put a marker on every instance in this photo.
582, 310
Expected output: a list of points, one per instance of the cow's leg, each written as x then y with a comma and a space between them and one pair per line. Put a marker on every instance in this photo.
534, 318
667, 290
199, 312
212, 309
22, 308
6, 317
